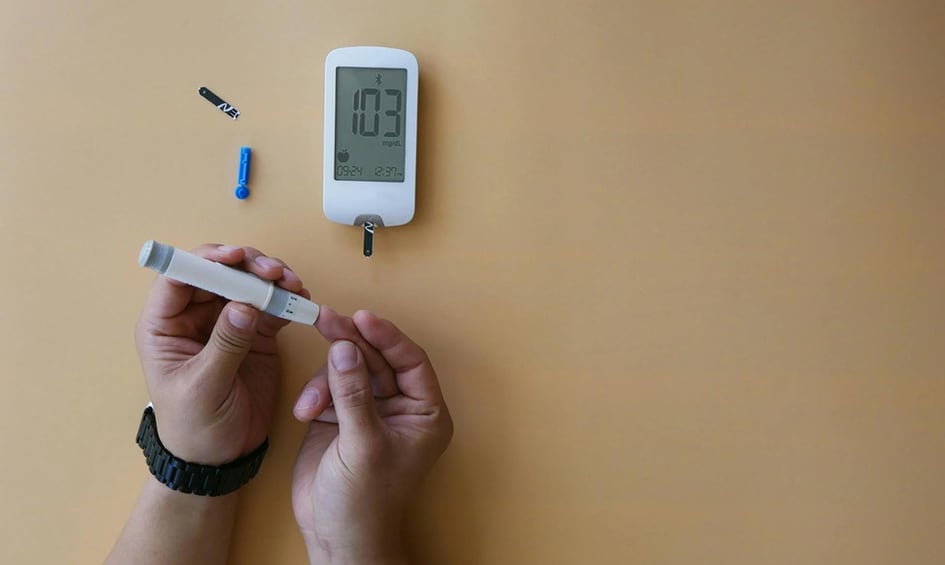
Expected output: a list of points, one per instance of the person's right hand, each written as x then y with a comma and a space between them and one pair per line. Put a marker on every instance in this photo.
211, 365
363, 458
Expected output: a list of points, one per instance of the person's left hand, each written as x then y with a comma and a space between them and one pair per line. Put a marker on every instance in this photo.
211, 366
365, 455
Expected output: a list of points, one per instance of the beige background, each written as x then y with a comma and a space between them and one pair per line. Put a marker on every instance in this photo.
680, 267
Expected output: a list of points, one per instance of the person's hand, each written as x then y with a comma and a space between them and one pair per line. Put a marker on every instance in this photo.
363, 458
211, 367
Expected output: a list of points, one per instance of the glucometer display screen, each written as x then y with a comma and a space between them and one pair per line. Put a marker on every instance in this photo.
370, 124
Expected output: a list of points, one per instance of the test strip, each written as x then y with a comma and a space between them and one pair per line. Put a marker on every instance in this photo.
220, 103
368, 239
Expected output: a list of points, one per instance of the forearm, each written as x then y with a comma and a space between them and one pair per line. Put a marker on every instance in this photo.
171, 527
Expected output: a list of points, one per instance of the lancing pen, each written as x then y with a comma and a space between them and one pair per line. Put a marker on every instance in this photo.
227, 282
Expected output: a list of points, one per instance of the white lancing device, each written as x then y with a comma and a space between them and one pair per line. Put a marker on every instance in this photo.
230, 283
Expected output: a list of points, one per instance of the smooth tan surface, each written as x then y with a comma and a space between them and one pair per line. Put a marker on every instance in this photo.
679, 266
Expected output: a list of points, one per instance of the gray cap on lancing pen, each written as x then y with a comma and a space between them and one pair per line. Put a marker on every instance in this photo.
155, 256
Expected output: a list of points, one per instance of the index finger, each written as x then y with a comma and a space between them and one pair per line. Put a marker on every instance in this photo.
334, 327
413, 370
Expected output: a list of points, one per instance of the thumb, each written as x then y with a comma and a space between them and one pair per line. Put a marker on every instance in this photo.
231, 339
350, 386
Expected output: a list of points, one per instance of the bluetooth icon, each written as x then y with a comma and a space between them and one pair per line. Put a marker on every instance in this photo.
377, 79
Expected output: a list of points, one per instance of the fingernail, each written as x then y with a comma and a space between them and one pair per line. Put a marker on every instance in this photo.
288, 275
227, 248
364, 315
239, 318
308, 399
267, 262
344, 356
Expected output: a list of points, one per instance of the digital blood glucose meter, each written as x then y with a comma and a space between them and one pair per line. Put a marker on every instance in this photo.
370, 138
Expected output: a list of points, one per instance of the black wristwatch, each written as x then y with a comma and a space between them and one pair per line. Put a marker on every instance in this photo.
194, 478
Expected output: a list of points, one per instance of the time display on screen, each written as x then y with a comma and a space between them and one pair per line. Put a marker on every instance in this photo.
370, 124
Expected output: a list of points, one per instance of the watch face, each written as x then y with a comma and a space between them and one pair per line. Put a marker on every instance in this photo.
370, 124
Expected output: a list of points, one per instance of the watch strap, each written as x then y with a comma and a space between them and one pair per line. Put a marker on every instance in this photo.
194, 478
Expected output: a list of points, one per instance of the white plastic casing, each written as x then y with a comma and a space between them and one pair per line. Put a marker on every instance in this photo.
347, 201
227, 282
219, 279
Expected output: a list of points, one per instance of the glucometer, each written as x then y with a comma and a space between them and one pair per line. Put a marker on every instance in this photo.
370, 138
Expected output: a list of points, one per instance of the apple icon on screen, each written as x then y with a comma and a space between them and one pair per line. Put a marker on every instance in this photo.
343, 156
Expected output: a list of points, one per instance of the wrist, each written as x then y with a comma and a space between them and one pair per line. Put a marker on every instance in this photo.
188, 506
192, 447
192, 439
324, 556
366, 551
